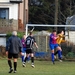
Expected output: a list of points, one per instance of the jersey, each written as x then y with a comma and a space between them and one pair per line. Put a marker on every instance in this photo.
52, 40
29, 42
60, 39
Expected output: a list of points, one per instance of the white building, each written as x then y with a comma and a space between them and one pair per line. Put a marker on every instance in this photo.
9, 9
71, 33
16, 10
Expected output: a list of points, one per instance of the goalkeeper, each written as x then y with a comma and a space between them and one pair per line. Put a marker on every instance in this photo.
60, 39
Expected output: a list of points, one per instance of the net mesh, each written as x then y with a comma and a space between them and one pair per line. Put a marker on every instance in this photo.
42, 39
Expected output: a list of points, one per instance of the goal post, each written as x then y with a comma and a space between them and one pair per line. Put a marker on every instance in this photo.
42, 25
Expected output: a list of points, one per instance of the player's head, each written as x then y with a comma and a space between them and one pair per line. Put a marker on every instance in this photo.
24, 36
61, 32
54, 32
14, 33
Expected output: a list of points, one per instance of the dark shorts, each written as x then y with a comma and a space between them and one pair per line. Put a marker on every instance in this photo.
10, 55
29, 51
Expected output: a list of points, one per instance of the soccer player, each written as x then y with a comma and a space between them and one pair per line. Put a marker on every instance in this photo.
30, 41
13, 47
59, 40
24, 49
53, 44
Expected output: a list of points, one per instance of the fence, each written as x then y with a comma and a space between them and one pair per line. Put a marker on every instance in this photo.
42, 42
8, 25
44, 51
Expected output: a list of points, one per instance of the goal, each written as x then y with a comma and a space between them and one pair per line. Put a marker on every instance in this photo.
42, 37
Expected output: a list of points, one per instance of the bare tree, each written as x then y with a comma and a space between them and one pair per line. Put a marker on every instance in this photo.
56, 12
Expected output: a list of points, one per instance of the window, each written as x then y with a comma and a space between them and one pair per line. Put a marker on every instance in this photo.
4, 13
16, 1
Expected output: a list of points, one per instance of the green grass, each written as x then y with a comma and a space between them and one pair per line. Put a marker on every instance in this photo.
41, 68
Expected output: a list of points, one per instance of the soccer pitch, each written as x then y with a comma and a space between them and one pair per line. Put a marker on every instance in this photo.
41, 68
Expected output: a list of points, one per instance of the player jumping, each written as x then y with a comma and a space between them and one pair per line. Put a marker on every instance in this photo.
53, 44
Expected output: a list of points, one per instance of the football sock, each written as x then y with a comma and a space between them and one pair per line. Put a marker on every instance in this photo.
15, 66
22, 58
59, 54
25, 59
10, 64
32, 59
56, 53
52, 55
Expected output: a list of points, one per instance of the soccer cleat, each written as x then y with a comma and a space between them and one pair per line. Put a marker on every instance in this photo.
33, 65
10, 70
15, 71
23, 65
60, 60
53, 62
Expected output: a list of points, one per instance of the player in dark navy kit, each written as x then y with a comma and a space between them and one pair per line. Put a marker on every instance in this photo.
30, 41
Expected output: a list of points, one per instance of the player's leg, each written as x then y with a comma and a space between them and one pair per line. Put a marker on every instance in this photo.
32, 59
52, 52
55, 53
9, 62
59, 52
15, 56
23, 54
15, 65
52, 55
22, 57
24, 63
26, 58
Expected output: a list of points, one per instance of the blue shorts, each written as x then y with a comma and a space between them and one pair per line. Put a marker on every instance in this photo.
53, 46
23, 50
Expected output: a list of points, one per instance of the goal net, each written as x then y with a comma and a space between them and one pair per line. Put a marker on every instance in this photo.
42, 33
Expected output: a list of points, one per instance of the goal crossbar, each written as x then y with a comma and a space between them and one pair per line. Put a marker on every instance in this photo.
42, 25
